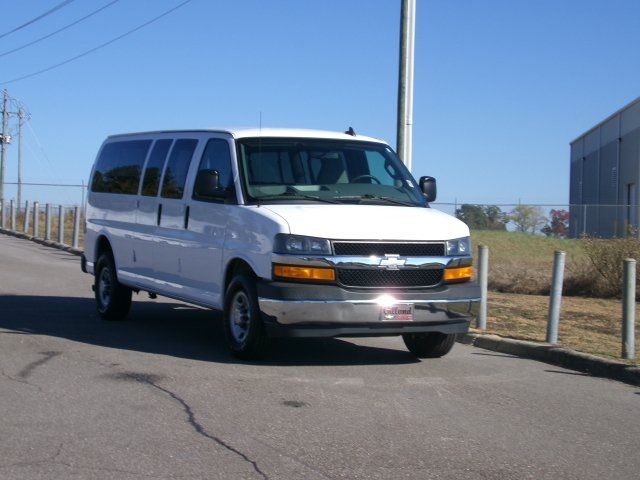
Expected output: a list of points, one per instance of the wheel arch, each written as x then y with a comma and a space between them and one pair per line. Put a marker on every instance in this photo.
235, 266
103, 245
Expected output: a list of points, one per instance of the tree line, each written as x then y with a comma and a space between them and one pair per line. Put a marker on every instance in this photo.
525, 219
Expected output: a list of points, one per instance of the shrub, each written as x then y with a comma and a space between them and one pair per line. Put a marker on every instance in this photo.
607, 258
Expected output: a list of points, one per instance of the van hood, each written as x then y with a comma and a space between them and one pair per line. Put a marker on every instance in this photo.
370, 222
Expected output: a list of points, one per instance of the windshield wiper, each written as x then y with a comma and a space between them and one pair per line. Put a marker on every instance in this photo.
298, 195
368, 196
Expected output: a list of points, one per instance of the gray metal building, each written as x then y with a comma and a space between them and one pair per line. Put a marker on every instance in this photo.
605, 174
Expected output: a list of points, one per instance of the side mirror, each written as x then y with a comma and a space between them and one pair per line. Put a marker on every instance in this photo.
428, 187
208, 185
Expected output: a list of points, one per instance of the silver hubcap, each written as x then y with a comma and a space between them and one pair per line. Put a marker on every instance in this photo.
104, 287
240, 317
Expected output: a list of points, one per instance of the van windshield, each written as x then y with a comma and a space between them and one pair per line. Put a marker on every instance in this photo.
298, 170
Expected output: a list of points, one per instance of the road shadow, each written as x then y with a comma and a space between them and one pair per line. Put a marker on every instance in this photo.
170, 328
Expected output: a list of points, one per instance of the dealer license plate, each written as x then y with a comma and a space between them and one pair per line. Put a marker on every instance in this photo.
402, 312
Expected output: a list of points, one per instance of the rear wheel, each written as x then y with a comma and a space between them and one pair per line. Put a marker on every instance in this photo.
429, 345
243, 327
112, 298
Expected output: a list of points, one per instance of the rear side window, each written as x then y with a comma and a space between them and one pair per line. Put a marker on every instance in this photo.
175, 174
119, 167
153, 171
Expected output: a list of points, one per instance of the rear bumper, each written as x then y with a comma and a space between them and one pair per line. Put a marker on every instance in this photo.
312, 310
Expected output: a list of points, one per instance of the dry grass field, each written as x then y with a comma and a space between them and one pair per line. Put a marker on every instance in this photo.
591, 325
519, 281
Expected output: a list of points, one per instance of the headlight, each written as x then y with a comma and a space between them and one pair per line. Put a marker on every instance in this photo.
301, 245
460, 246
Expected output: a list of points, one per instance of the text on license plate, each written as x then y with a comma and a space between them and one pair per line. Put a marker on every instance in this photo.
397, 313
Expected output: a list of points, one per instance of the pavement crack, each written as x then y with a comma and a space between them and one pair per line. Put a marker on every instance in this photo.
28, 370
19, 380
152, 380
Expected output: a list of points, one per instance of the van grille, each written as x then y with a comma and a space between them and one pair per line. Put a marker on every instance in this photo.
358, 277
379, 249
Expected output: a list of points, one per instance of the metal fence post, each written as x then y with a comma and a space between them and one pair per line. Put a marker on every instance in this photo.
25, 223
3, 206
5, 213
629, 310
555, 297
483, 280
47, 222
76, 226
60, 224
12, 211
36, 219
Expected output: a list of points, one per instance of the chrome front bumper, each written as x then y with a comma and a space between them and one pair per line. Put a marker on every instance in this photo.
297, 312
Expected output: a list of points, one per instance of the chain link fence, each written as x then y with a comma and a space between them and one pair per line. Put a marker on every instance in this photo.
559, 220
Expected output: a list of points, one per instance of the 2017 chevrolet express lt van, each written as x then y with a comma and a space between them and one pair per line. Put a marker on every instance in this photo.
288, 232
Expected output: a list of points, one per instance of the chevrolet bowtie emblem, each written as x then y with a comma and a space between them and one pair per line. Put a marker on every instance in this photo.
392, 262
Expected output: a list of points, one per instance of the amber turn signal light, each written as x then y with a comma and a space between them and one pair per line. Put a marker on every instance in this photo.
304, 273
458, 274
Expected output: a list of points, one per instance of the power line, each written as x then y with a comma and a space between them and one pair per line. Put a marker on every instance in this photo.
59, 30
33, 20
69, 60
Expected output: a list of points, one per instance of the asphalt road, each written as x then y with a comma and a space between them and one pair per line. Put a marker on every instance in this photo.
158, 396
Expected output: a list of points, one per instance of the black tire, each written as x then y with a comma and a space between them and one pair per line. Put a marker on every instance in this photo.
113, 299
243, 327
429, 345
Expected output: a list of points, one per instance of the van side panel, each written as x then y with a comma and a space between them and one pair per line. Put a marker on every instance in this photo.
249, 236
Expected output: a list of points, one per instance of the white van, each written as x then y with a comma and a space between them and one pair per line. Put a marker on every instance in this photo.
288, 232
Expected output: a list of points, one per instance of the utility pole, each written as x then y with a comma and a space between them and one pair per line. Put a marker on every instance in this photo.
21, 116
404, 141
4, 139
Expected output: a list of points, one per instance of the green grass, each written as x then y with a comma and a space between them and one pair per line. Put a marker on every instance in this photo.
522, 263
530, 251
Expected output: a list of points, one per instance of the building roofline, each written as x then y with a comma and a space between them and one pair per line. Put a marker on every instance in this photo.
599, 124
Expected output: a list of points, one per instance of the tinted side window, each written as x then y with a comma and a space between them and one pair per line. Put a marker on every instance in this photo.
175, 174
153, 171
217, 157
119, 167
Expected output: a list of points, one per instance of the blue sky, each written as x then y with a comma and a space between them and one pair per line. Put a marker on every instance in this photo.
501, 87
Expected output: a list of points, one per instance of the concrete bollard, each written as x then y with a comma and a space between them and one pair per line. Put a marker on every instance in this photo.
483, 280
555, 297
25, 223
76, 227
12, 207
36, 219
60, 224
629, 310
47, 221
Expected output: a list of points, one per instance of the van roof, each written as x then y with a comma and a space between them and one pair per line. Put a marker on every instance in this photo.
265, 133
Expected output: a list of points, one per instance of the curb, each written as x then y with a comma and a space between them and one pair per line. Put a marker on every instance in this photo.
555, 355
46, 243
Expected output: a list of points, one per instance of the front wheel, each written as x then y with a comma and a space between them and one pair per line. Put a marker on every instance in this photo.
429, 345
112, 298
243, 327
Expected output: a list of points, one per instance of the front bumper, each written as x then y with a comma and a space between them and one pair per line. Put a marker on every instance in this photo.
291, 309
